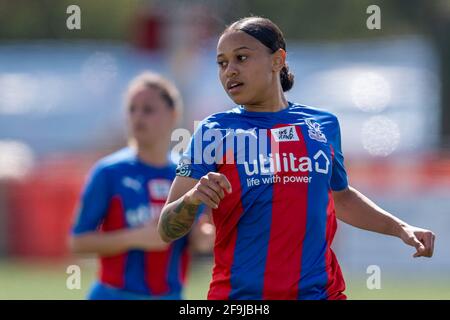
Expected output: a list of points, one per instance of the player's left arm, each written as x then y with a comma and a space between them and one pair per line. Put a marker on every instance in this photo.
353, 208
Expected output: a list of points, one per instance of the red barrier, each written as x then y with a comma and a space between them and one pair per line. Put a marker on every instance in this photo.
41, 208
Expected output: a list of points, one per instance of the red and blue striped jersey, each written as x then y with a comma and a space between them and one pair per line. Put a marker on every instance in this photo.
274, 231
123, 192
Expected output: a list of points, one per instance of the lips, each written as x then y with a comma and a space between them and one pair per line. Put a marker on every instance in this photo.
139, 128
234, 86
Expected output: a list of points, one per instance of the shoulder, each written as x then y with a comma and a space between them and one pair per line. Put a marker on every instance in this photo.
221, 119
320, 114
320, 121
113, 161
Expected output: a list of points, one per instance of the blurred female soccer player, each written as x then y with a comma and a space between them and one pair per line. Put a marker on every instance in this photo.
123, 198
275, 214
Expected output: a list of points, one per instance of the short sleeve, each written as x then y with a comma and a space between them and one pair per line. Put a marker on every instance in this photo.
199, 158
339, 179
94, 202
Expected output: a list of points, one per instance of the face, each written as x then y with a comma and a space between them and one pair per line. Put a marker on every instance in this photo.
247, 70
149, 117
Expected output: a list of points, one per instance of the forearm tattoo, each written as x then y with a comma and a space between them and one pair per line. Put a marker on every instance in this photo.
177, 222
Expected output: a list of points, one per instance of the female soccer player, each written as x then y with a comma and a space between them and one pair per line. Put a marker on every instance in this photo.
275, 206
123, 198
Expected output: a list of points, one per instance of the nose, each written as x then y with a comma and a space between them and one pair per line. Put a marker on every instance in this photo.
231, 71
135, 117
137, 124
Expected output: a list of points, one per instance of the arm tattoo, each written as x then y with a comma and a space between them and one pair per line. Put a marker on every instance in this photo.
177, 222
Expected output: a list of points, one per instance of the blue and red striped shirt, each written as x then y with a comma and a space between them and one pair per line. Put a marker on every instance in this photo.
123, 192
274, 231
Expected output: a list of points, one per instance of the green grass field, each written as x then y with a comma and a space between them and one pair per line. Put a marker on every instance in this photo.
44, 280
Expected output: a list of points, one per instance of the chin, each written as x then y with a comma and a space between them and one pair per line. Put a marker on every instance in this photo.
144, 139
146, 143
239, 100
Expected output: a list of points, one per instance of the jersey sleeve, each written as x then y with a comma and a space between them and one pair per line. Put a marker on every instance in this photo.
196, 161
94, 202
339, 179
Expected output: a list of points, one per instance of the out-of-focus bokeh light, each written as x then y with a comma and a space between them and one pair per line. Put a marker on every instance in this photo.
98, 72
16, 159
371, 92
380, 136
17, 92
22, 93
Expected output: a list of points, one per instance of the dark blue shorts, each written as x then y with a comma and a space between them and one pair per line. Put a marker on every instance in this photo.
100, 291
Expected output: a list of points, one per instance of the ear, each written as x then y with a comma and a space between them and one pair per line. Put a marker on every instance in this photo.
278, 60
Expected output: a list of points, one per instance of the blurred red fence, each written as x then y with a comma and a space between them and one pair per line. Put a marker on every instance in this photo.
40, 208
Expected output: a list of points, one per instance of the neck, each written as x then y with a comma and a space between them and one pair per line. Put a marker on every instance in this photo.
272, 104
154, 154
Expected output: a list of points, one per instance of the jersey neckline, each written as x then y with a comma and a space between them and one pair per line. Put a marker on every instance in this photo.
264, 113
139, 161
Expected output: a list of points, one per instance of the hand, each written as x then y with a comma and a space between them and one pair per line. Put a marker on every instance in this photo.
209, 190
146, 237
421, 239
202, 236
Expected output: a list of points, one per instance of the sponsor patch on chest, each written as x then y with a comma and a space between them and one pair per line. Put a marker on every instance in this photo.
158, 189
282, 134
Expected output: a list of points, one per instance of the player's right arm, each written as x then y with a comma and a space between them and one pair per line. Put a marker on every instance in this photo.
119, 241
185, 197
86, 236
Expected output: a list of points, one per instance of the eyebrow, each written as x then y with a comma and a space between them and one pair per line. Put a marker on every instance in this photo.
240, 48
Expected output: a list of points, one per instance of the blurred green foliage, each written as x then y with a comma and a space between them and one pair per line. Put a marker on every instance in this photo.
301, 19
326, 19
38, 19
